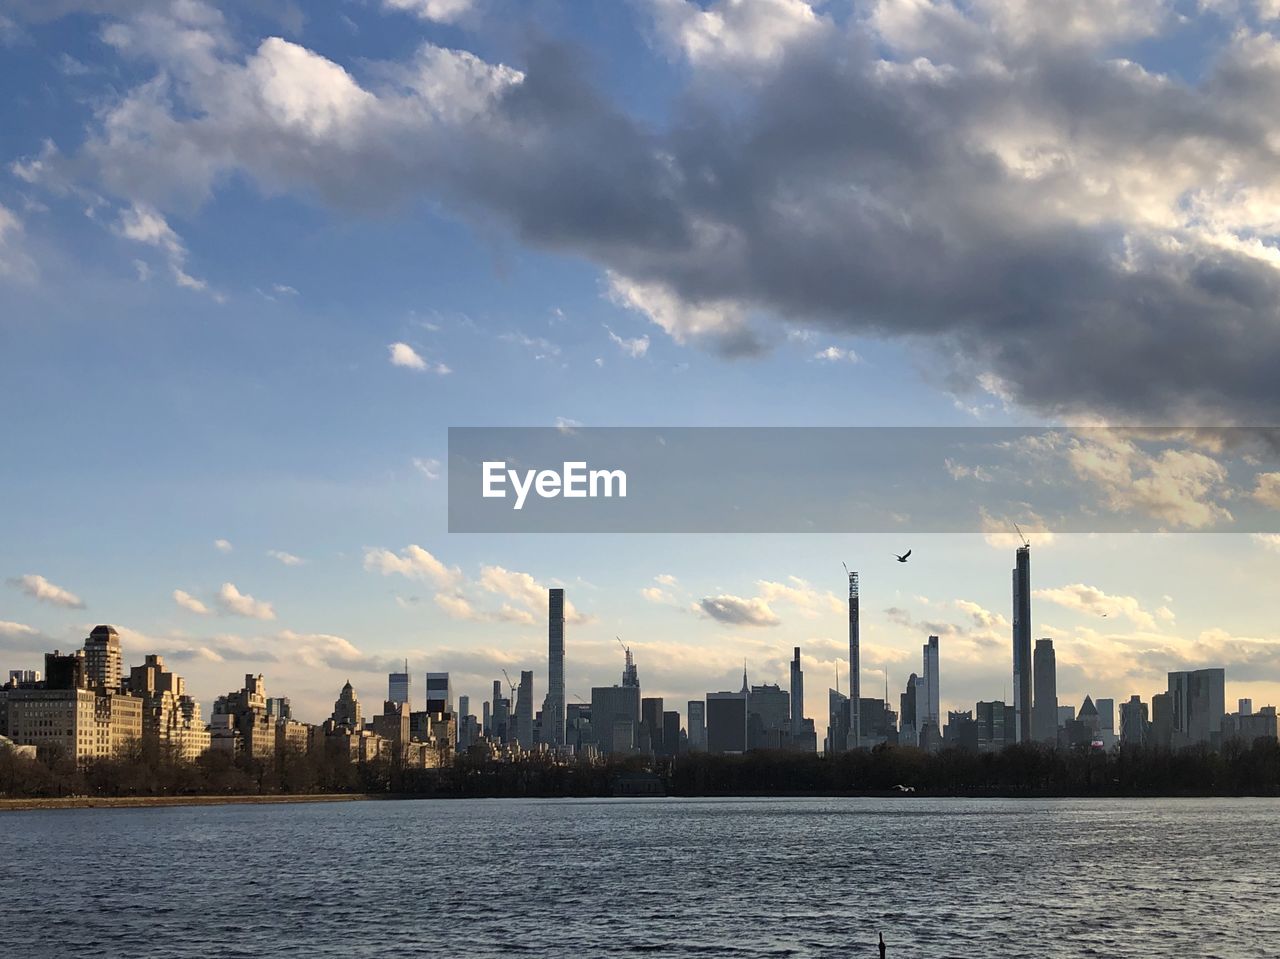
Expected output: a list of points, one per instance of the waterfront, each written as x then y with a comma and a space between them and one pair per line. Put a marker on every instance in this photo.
748, 878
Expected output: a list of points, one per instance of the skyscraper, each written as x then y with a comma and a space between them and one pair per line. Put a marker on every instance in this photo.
398, 685
524, 710
553, 707
855, 665
1044, 708
651, 725
726, 723
797, 698
1022, 644
439, 693
102, 658
1198, 702
615, 716
697, 725
931, 705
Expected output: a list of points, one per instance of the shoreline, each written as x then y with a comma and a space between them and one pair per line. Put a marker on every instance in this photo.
147, 802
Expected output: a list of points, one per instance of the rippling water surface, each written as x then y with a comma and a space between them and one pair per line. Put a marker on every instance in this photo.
769, 877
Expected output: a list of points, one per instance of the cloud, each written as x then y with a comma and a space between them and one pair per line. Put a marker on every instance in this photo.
235, 603
39, 588
1269, 541
143, 224
430, 468
402, 354
190, 603
18, 635
1004, 185
738, 611
524, 591
1267, 490
733, 32
14, 261
801, 594
288, 559
222, 545
665, 579
412, 562
1091, 600
1176, 486
439, 11
836, 354
635, 347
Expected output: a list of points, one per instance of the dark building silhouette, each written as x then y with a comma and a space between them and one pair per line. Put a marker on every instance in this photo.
1044, 710
1022, 644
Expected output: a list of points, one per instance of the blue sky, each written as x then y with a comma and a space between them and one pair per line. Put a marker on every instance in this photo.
211, 241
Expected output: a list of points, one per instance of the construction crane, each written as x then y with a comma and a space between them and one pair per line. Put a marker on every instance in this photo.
1021, 536
511, 684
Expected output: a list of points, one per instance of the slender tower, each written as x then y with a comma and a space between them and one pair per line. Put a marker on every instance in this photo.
797, 698
855, 666
1022, 643
554, 708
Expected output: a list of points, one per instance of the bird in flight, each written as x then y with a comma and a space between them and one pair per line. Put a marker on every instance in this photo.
903, 557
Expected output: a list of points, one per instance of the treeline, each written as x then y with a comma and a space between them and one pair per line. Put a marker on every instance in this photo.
1236, 770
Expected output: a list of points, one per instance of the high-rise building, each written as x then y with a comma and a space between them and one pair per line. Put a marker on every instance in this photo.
346, 709
913, 711
171, 720
797, 698
651, 726
1022, 644
726, 723
838, 723
1133, 722
524, 710
398, 687
1106, 720
1244, 707
1198, 701
630, 675
1044, 708
615, 714
697, 723
1066, 714
439, 693
995, 722
670, 733
768, 717
854, 739
932, 704
102, 658
553, 708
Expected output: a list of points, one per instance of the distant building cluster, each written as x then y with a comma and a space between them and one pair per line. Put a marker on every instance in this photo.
85, 708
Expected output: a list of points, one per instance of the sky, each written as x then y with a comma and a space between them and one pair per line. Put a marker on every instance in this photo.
257, 258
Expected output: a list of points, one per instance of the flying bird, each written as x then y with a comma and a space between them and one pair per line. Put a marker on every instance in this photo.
903, 557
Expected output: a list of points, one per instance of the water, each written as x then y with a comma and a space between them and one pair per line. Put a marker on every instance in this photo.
768, 877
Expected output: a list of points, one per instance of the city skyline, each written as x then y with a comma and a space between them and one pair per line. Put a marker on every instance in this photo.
236, 369
924, 692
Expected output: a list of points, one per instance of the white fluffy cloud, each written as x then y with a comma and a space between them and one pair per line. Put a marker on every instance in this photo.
190, 603
286, 559
235, 603
412, 562
402, 354
222, 545
39, 588
1093, 601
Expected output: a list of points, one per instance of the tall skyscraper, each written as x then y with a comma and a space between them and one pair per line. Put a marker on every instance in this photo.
1044, 708
1022, 644
553, 707
931, 705
615, 717
913, 709
102, 658
1106, 720
797, 698
439, 693
398, 685
855, 665
1133, 722
697, 725
1244, 707
524, 710
630, 675
651, 735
